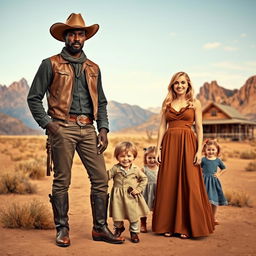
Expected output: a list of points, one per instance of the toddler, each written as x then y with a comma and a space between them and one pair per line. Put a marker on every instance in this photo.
212, 168
151, 170
126, 201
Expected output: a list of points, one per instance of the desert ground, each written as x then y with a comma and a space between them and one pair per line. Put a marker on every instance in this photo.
234, 236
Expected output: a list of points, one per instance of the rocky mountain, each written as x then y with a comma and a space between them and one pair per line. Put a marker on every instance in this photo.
244, 99
13, 102
12, 126
123, 116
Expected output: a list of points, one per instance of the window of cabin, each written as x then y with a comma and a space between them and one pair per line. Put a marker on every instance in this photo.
213, 112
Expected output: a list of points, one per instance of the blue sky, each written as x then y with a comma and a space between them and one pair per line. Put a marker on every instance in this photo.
140, 44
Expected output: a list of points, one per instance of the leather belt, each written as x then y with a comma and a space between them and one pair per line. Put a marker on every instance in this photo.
81, 120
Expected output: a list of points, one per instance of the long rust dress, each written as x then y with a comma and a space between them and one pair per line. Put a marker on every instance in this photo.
181, 203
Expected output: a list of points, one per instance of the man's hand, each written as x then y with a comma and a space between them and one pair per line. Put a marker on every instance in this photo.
102, 140
52, 127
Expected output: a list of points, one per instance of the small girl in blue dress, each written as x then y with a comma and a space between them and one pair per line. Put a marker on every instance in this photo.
212, 168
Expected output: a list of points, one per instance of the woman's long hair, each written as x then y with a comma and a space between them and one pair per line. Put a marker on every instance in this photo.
172, 95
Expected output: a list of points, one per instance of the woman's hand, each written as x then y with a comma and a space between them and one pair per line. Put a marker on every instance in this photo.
197, 158
158, 156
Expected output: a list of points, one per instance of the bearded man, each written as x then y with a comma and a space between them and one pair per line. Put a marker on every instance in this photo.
75, 98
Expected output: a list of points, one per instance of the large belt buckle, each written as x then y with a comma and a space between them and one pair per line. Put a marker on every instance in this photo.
80, 120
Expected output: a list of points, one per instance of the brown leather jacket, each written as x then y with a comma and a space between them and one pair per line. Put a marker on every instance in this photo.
61, 89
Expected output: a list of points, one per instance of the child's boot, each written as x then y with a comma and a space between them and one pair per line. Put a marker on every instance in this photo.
143, 227
119, 231
134, 237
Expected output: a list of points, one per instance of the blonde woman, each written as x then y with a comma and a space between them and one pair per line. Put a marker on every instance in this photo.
181, 205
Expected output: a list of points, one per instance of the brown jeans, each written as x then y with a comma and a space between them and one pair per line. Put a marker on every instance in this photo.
69, 138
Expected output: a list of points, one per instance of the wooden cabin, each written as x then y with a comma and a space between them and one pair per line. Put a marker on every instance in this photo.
223, 121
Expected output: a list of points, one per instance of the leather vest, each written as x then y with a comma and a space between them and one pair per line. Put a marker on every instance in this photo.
61, 89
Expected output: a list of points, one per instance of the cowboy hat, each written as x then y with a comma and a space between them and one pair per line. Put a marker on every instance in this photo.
74, 21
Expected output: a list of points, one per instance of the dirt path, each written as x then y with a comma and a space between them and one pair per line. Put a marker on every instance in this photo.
234, 236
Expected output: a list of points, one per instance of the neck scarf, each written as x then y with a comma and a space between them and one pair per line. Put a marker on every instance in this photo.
75, 62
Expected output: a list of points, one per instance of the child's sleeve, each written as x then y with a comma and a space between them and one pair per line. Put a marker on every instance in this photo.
111, 172
221, 165
202, 163
143, 180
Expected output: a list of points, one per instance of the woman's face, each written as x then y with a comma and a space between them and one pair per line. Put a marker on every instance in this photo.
181, 85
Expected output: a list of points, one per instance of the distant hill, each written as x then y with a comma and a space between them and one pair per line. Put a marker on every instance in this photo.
123, 116
12, 126
243, 99
13, 102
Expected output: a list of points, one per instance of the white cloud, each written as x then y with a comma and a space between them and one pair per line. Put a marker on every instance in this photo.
173, 34
243, 35
242, 66
212, 45
230, 48
225, 79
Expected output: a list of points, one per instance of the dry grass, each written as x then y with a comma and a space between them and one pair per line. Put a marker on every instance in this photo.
17, 183
35, 169
238, 199
32, 215
251, 167
248, 155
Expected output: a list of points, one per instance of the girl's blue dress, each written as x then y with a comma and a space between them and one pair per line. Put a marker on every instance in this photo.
212, 184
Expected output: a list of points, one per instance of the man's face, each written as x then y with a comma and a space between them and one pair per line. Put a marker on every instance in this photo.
74, 40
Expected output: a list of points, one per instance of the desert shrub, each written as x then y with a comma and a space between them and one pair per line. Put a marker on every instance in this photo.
238, 198
17, 143
108, 155
251, 167
16, 158
17, 183
35, 169
31, 215
224, 157
248, 155
234, 154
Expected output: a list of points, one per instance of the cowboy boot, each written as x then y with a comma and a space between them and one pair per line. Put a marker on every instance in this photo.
60, 212
143, 225
100, 231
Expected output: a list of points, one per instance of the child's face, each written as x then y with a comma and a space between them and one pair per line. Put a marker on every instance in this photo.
151, 160
125, 159
211, 151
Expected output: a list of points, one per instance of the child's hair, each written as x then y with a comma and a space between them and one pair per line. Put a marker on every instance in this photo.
209, 142
147, 151
125, 147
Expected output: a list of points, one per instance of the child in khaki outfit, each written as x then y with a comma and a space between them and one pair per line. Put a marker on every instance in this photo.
126, 200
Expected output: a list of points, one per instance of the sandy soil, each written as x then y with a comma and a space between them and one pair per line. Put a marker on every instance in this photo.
234, 235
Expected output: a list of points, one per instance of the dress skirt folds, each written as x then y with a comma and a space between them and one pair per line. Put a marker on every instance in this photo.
181, 204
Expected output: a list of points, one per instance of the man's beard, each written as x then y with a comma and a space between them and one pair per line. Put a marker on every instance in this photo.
74, 50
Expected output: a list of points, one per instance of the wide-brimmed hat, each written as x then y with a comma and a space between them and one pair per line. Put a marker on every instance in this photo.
74, 21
